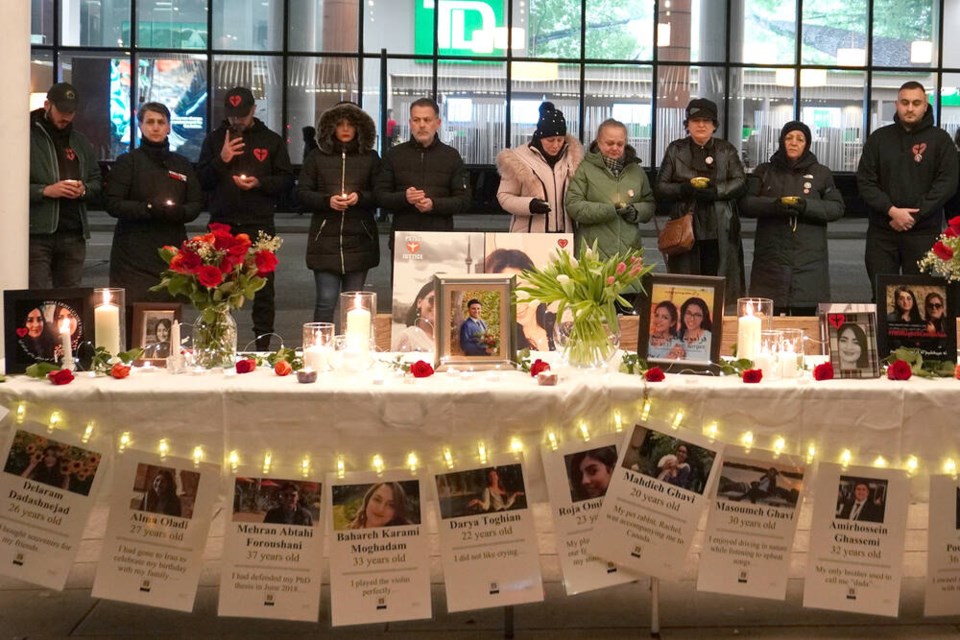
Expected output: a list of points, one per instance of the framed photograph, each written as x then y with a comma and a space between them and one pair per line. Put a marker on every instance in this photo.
917, 312
152, 322
851, 338
669, 459
476, 321
32, 321
681, 322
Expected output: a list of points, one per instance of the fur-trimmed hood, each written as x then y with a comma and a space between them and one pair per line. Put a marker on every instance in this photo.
366, 129
510, 164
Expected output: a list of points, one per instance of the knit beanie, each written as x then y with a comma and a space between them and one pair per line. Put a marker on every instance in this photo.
795, 125
551, 122
701, 108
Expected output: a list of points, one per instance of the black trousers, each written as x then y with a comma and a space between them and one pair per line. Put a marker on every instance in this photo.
895, 252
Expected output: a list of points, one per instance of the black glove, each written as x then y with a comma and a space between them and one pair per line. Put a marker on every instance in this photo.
539, 206
627, 212
793, 208
707, 193
686, 191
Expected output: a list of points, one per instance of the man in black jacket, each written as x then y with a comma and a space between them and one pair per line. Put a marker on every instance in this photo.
245, 168
907, 171
423, 182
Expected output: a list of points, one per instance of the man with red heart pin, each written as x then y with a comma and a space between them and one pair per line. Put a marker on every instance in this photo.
245, 169
907, 172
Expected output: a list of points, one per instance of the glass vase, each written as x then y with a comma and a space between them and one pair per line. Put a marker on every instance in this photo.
215, 338
586, 341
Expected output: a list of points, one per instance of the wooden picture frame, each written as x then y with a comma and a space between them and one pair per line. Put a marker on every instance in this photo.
496, 313
670, 294
37, 339
934, 337
148, 318
851, 339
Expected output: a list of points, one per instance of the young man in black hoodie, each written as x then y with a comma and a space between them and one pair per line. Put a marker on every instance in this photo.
245, 169
64, 176
907, 171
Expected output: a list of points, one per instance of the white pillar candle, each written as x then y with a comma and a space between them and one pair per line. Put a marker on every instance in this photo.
766, 362
358, 328
65, 343
788, 363
175, 338
317, 357
748, 336
106, 325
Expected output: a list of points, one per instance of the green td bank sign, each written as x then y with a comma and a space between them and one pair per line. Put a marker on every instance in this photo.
464, 27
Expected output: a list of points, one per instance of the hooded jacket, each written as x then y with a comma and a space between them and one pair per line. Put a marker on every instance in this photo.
44, 170
525, 175
341, 241
264, 157
790, 259
915, 169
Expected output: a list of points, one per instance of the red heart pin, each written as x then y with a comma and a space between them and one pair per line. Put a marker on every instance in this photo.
837, 320
71, 154
234, 101
563, 243
260, 154
21, 332
918, 149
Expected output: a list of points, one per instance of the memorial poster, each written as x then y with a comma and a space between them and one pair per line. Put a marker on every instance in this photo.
943, 548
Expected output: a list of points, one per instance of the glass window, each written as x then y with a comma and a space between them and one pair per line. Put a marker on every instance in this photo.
768, 33
621, 92
41, 22
552, 27
676, 86
833, 109
950, 103
261, 74
251, 25
313, 86
180, 82
319, 26
760, 105
102, 81
835, 32
903, 33
172, 24
394, 25
625, 32
692, 31
95, 23
41, 77
951, 25
478, 136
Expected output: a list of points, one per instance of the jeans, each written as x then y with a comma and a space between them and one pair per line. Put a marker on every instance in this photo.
329, 286
56, 260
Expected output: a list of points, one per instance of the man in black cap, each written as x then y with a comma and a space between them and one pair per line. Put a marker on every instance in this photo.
64, 176
245, 168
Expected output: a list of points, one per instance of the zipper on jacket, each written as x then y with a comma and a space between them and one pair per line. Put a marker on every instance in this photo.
343, 266
323, 223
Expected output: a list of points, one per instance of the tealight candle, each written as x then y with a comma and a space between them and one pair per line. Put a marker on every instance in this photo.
108, 320
318, 345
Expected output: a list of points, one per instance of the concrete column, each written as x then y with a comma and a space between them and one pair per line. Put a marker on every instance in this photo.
14, 140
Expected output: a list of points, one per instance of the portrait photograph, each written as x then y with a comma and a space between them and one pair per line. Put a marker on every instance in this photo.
669, 459
375, 505
917, 312
483, 490
861, 499
852, 343
165, 490
276, 501
152, 324
513, 253
476, 320
681, 321
774, 484
35, 320
57, 464
589, 472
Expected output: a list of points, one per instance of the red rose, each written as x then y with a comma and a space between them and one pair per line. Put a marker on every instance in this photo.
219, 228
209, 276
899, 370
942, 251
282, 368
954, 223
752, 376
119, 371
950, 232
654, 374
823, 371
421, 369
956, 372
246, 365
538, 366
186, 262
266, 262
61, 376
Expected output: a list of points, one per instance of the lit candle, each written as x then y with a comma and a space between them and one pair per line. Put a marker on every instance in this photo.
169, 203
106, 325
343, 173
765, 361
65, 343
317, 357
175, 338
358, 328
748, 335
788, 362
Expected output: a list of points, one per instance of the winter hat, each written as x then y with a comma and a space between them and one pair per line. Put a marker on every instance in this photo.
238, 102
551, 122
796, 125
701, 108
64, 97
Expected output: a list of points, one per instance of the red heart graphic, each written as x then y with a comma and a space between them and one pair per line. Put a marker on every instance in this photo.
234, 101
837, 320
21, 332
260, 154
563, 243
918, 149
71, 154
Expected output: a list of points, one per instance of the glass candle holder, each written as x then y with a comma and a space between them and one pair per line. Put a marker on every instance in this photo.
317, 345
768, 358
791, 353
109, 319
754, 315
357, 312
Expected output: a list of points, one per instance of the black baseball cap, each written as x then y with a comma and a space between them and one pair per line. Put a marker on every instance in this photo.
238, 102
64, 97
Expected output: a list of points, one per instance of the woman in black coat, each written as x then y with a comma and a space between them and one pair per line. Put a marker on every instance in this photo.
336, 183
793, 197
153, 193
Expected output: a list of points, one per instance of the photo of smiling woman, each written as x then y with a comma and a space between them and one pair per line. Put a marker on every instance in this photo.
590, 472
382, 504
853, 345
